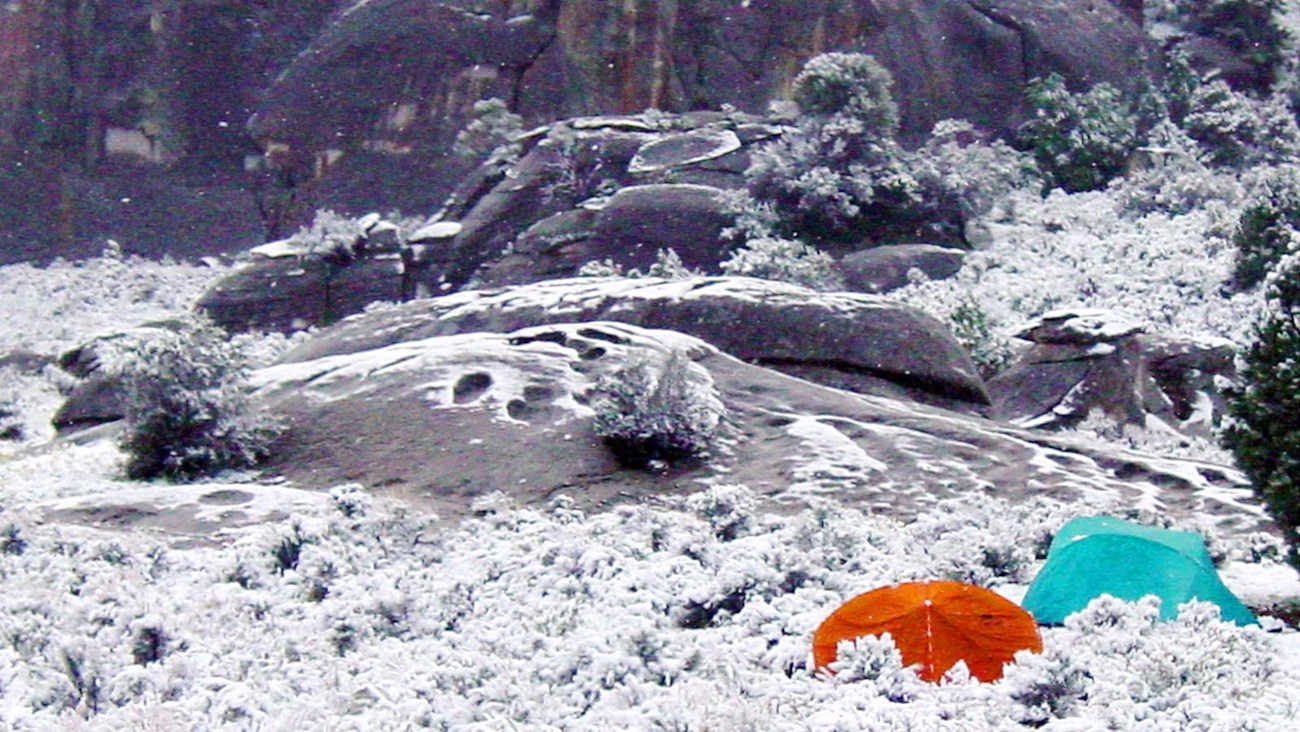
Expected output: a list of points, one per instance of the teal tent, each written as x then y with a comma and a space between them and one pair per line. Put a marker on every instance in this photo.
1104, 555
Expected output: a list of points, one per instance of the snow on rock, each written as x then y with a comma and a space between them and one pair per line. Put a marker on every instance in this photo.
676, 151
280, 248
443, 420
1086, 360
198, 513
848, 340
1080, 326
436, 230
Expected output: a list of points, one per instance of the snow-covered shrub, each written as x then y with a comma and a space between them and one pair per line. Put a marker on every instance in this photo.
1267, 227
785, 260
53, 308
602, 268
332, 237
1265, 432
829, 180
1073, 250
649, 413
1046, 686
1140, 671
186, 406
851, 84
668, 265
991, 351
729, 509
875, 661
491, 132
837, 175
1173, 179
11, 540
1155, 438
11, 424
1236, 129
986, 543
1080, 140
957, 163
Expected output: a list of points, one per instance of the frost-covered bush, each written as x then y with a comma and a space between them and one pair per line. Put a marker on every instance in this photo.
1116, 664
11, 423
1236, 129
828, 180
1174, 178
649, 413
1267, 226
850, 84
876, 662
491, 132
11, 540
729, 508
330, 236
186, 408
837, 175
1073, 250
668, 265
991, 351
1080, 140
1265, 433
50, 309
958, 164
557, 620
1154, 438
785, 260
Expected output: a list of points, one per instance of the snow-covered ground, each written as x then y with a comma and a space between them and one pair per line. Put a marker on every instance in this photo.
313, 611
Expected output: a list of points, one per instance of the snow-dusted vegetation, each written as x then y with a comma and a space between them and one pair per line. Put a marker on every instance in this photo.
337, 609
697, 614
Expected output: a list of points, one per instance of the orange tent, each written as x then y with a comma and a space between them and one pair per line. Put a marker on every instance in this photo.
935, 624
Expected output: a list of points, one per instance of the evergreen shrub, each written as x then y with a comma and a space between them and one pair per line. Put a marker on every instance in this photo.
1267, 226
785, 260
1081, 141
649, 414
1265, 433
187, 407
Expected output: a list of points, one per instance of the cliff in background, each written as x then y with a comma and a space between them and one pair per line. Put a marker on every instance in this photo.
354, 105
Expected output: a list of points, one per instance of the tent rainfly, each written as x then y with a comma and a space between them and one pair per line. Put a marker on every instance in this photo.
934, 625
1099, 555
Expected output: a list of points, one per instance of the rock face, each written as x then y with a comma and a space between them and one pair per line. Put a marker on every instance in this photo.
591, 189
441, 420
351, 97
563, 58
1095, 360
289, 286
401, 74
884, 268
849, 341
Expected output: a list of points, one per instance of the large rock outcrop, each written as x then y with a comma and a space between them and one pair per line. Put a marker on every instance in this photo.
588, 189
443, 420
591, 189
856, 342
350, 98
400, 75
560, 58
